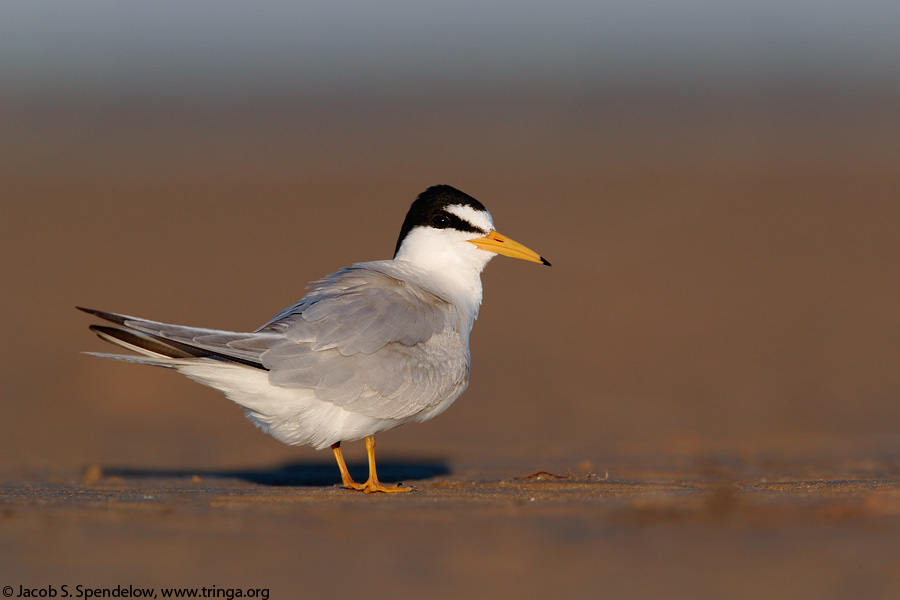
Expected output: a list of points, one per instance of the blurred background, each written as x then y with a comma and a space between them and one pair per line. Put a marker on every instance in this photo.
716, 185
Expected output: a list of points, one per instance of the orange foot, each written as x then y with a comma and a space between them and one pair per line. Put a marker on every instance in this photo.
372, 485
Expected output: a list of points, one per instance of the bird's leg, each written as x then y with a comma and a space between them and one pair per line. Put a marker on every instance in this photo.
345, 474
372, 485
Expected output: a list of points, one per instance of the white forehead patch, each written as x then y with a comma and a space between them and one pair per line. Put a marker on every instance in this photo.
479, 218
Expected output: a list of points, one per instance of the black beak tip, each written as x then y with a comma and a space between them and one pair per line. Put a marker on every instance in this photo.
545, 261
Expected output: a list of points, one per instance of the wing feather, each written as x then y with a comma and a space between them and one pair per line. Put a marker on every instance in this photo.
371, 343
365, 338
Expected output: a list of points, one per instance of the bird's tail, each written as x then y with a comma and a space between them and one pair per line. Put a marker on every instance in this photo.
153, 350
171, 345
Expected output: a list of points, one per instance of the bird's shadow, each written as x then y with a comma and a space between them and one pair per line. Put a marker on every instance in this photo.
295, 474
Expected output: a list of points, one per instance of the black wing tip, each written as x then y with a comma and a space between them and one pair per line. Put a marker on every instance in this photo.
108, 316
98, 329
137, 341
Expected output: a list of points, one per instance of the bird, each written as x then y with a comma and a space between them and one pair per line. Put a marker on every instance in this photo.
370, 347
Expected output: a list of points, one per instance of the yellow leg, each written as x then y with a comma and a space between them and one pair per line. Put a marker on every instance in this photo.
372, 484
345, 473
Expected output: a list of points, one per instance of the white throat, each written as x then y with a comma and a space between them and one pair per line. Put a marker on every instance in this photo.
450, 263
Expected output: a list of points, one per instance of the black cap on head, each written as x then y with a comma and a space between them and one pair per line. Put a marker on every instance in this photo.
428, 211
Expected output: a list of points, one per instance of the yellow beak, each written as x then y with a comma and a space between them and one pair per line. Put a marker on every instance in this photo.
500, 244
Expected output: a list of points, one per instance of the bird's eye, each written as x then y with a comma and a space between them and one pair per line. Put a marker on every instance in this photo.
441, 221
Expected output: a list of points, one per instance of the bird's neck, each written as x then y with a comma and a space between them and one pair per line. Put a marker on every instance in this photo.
447, 265
459, 284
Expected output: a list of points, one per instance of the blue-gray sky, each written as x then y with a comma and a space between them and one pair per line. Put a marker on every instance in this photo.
163, 43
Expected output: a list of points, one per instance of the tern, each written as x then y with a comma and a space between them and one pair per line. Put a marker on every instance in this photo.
370, 347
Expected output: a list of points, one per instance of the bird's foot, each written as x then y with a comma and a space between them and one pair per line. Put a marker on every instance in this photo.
372, 484
371, 487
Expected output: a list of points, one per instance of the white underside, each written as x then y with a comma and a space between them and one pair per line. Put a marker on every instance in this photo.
293, 415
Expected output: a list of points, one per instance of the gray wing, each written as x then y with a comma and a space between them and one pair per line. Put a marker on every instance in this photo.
370, 343
359, 309
362, 339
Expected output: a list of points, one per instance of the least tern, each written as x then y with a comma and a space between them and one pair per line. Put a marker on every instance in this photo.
370, 347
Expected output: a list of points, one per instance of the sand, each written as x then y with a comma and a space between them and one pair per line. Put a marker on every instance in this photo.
704, 527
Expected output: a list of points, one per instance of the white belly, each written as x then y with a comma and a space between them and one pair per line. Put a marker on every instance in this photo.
294, 415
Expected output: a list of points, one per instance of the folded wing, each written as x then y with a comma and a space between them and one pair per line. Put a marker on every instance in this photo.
361, 339
370, 343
